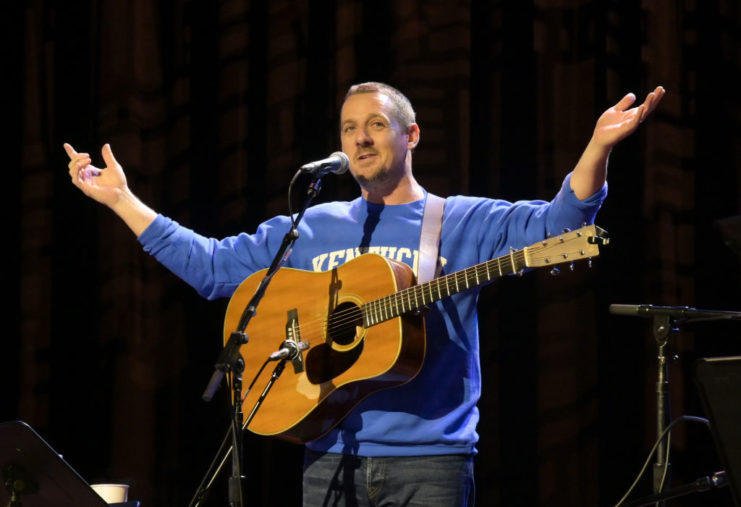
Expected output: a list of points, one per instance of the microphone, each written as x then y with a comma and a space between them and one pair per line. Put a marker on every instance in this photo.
289, 349
336, 163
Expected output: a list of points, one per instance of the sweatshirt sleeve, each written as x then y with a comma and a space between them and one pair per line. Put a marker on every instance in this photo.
499, 224
214, 268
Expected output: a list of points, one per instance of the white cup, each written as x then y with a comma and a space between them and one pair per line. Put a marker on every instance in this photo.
112, 493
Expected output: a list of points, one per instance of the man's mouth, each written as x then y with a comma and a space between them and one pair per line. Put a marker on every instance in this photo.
365, 156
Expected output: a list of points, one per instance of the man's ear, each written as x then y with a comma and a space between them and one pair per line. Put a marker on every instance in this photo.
413, 136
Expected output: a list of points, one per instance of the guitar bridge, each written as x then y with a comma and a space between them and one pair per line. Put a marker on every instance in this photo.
293, 334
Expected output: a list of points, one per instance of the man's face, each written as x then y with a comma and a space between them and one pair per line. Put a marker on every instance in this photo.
372, 138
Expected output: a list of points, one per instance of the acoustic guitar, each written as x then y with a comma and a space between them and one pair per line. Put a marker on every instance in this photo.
361, 328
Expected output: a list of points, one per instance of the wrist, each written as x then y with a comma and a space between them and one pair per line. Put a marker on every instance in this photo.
133, 212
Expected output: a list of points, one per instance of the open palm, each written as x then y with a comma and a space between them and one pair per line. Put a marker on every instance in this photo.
621, 120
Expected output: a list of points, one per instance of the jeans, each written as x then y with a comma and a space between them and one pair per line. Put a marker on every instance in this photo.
424, 481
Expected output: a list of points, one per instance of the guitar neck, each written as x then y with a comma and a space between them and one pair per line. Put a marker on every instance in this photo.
569, 246
418, 296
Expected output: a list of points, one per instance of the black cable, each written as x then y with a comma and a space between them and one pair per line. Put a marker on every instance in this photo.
653, 450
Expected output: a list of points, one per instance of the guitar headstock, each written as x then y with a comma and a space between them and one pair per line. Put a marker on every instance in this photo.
569, 246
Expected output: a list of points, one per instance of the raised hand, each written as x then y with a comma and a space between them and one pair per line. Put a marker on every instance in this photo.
620, 120
108, 186
615, 124
104, 185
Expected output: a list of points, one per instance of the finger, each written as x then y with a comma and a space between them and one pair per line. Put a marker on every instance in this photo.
78, 157
642, 112
645, 109
110, 160
658, 93
652, 100
625, 102
79, 163
76, 168
70, 150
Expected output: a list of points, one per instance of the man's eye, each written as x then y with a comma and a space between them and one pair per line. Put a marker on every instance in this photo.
348, 129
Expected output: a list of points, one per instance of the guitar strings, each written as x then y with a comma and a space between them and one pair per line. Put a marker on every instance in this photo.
387, 307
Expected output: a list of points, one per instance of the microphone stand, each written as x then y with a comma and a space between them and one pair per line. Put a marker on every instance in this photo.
662, 325
664, 320
230, 360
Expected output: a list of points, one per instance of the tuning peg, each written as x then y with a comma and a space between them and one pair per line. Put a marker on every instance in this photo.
589, 262
571, 265
555, 271
566, 229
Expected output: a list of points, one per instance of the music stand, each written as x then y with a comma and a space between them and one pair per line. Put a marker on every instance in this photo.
28, 463
719, 385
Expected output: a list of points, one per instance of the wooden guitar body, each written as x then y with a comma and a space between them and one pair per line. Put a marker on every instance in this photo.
347, 360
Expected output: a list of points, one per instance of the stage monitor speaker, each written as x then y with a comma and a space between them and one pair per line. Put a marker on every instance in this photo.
719, 384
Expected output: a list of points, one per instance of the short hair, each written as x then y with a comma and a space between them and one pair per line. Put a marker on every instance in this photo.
403, 107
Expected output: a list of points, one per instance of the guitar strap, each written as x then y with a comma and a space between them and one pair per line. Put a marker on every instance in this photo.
429, 240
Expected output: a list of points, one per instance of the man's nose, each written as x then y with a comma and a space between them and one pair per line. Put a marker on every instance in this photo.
362, 138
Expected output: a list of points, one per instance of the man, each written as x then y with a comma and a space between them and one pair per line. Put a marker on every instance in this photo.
412, 444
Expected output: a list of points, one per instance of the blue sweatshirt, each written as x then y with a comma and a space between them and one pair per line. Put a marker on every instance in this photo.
435, 413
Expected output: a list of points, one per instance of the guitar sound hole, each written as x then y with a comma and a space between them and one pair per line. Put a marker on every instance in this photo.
342, 324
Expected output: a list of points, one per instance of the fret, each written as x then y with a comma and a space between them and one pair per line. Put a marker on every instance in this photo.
447, 285
499, 263
512, 259
456, 283
476, 272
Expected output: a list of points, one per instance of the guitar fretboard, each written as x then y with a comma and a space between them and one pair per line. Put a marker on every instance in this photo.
417, 296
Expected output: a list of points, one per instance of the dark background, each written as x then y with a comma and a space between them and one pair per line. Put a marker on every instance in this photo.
211, 107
